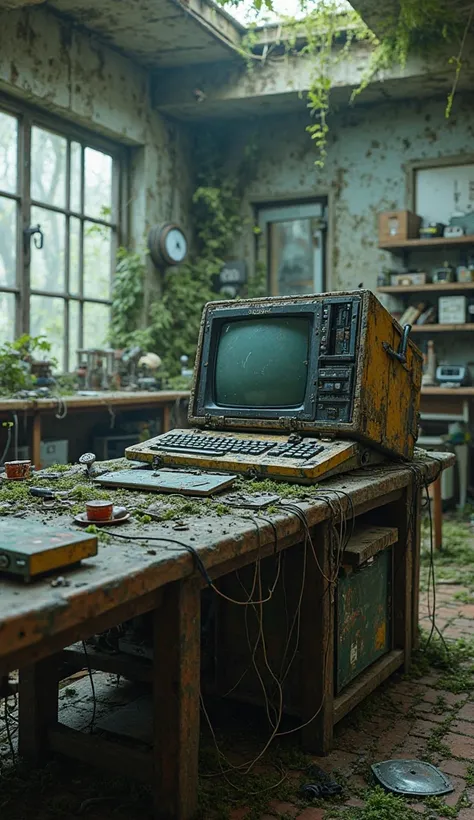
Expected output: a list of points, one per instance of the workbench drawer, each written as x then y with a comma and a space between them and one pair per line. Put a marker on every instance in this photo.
363, 616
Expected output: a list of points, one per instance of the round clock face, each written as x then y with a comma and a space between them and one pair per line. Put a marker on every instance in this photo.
176, 246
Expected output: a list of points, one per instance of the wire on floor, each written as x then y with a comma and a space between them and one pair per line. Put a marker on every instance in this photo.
91, 678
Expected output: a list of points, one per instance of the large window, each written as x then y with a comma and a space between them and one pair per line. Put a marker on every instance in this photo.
59, 230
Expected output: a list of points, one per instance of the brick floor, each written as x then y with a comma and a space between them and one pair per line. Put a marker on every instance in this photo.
398, 722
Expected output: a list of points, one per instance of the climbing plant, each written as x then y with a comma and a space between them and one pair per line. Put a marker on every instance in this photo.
326, 34
127, 296
172, 325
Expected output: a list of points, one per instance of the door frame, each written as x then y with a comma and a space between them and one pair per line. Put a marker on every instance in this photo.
269, 213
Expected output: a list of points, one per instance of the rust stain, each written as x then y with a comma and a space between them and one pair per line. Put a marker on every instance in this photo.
381, 637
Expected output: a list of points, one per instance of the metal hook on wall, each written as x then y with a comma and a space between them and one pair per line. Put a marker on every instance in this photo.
37, 234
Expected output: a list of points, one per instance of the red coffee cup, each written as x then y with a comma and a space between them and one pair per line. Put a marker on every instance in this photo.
18, 469
99, 510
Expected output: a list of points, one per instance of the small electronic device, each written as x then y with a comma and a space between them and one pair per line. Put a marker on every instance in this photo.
29, 548
168, 481
465, 274
452, 374
452, 310
453, 231
444, 274
307, 386
431, 230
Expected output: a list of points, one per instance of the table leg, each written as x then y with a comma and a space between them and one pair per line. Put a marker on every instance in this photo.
38, 712
416, 573
437, 513
317, 646
404, 512
36, 441
176, 701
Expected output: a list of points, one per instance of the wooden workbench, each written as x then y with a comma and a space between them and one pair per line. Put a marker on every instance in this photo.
37, 409
130, 578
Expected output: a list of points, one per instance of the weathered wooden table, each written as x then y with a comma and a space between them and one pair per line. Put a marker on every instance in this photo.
113, 401
130, 578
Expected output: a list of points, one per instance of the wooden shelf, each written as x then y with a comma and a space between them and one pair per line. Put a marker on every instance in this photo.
430, 288
438, 241
455, 392
441, 328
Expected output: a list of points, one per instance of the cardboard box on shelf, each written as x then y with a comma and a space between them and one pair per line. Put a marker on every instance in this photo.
396, 226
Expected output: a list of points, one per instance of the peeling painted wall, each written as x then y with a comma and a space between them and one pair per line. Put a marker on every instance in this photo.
62, 69
365, 172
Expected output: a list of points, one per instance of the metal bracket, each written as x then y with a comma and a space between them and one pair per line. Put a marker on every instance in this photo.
37, 234
401, 354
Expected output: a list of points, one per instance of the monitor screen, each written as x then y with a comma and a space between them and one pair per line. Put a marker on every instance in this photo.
262, 362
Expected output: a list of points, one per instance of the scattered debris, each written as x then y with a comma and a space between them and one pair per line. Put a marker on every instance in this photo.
60, 582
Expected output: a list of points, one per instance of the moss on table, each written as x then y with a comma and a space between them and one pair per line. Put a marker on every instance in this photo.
15, 497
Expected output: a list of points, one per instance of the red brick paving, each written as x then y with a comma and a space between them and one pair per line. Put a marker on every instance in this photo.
398, 722
288, 809
467, 713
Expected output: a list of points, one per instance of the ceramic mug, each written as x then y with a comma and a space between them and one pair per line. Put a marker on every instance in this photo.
99, 510
18, 469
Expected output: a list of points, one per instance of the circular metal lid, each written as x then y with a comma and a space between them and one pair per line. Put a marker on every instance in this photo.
412, 777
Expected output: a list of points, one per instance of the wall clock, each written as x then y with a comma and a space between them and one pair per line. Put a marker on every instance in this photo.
167, 245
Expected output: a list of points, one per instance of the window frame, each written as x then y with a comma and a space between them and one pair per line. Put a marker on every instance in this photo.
28, 116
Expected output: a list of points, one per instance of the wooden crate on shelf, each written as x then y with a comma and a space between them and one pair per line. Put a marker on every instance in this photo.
396, 226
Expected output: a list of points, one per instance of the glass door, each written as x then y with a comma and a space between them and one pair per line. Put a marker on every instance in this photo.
294, 240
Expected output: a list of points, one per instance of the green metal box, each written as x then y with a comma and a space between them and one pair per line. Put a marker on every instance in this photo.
364, 617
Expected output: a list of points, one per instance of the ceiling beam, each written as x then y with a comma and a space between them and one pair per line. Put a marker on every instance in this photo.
272, 86
380, 17
16, 4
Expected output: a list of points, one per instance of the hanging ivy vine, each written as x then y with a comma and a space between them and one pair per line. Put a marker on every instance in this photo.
325, 35
172, 325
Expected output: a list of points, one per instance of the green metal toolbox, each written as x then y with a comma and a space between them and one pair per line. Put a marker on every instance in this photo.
364, 615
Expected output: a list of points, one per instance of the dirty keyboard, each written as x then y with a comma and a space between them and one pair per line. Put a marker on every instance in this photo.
195, 444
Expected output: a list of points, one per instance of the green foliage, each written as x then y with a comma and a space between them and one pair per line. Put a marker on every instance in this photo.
14, 363
172, 325
127, 296
422, 26
379, 805
455, 659
326, 34
458, 546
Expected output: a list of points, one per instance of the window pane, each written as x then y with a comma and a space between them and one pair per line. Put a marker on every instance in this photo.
48, 167
76, 176
98, 184
7, 242
292, 257
47, 264
7, 317
96, 325
74, 254
47, 319
73, 335
97, 260
8, 153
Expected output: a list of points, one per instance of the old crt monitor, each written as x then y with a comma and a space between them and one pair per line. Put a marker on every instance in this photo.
335, 366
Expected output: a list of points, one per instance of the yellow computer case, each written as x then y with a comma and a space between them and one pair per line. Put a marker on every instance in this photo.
385, 391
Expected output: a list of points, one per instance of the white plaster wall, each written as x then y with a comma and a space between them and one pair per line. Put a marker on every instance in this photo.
365, 172
61, 68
